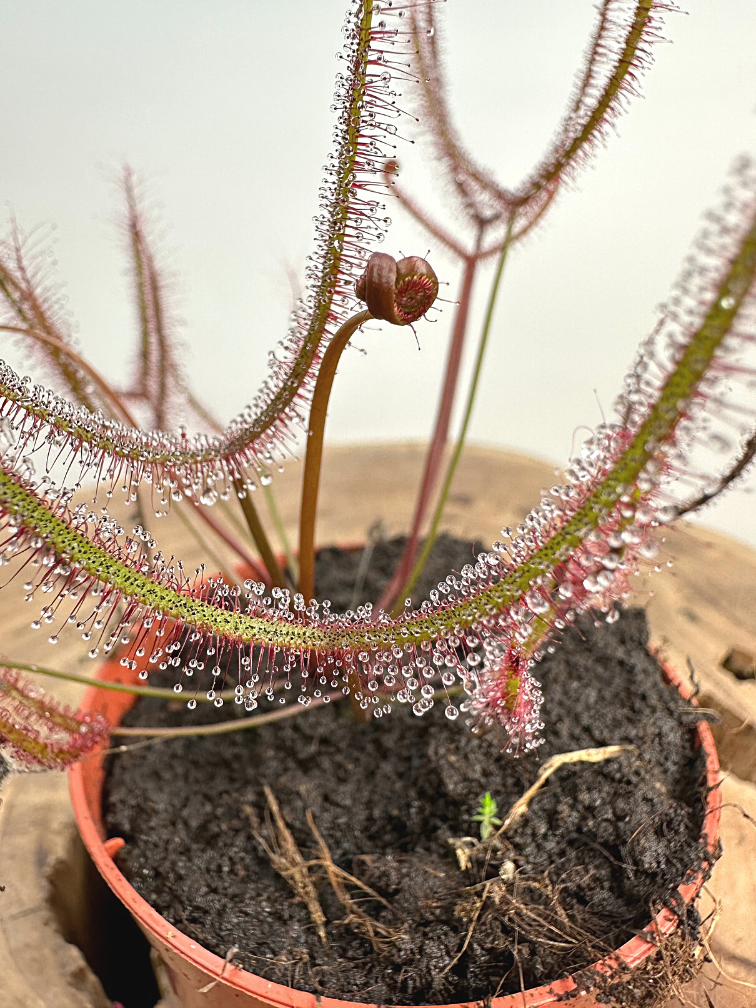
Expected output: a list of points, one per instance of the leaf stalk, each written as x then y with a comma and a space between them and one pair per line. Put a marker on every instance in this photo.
314, 456
458, 448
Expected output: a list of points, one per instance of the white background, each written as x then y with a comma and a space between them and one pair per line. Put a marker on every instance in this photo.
223, 107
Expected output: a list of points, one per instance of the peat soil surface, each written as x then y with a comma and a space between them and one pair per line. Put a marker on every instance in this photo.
602, 847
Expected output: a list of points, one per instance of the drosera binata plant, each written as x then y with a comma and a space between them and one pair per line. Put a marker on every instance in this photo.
270, 640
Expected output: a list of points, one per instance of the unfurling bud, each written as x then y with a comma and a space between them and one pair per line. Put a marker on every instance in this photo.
399, 292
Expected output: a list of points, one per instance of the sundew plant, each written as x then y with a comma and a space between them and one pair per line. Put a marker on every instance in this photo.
269, 641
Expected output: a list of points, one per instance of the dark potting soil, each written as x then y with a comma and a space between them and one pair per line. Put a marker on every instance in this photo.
602, 847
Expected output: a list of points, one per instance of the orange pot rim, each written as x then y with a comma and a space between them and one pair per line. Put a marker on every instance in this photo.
86, 782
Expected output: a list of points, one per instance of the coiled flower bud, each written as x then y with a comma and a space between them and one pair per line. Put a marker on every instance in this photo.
399, 292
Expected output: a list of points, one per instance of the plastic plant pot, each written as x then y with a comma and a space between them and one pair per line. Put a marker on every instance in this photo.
202, 979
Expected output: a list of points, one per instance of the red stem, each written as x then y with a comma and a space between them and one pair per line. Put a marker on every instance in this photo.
437, 445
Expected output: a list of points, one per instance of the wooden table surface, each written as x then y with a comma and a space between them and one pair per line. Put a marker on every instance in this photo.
700, 608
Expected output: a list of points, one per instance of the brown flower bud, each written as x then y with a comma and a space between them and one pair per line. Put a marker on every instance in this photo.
399, 292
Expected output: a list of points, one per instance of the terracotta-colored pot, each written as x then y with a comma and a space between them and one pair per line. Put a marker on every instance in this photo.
201, 979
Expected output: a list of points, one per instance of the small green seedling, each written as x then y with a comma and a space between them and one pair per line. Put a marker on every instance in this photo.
486, 815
